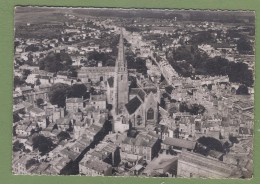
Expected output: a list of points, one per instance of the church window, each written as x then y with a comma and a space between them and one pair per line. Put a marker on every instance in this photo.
139, 120
121, 77
150, 114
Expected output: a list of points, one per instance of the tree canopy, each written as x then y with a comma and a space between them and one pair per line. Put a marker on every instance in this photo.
78, 90
39, 102
195, 62
58, 93
63, 135
193, 109
211, 143
43, 144
55, 62
242, 90
244, 46
136, 63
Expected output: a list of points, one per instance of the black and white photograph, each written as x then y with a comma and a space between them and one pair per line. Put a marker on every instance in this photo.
133, 92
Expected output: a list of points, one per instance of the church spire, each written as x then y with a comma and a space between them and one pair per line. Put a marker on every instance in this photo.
121, 52
121, 79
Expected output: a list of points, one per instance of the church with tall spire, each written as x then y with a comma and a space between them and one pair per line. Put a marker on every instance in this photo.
121, 90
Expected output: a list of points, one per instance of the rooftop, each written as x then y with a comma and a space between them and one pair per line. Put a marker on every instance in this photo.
133, 105
182, 143
74, 100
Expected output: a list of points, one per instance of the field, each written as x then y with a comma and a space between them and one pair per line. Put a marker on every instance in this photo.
39, 16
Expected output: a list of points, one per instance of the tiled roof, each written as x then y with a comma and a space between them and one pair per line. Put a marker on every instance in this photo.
96, 165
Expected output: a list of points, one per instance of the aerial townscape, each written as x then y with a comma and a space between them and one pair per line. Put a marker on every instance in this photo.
121, 92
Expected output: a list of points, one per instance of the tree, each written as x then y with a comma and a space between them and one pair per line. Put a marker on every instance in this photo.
31, 48
17, 146
58, 93
39, 102
63, 135
211, 143
242, 90
233, 139
30, 163
183, 107
38, 82
43, 144
78, 90
18, 81
197, 109
72, 72
55, 62
244, 46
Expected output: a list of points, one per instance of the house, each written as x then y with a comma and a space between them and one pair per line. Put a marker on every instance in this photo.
98, 101
63, 123
36, 112
58, 164
24, 128
42, 122
79, 128
24, 90
107, 152
74, 104
94, 132
144, 145
94, 167
28, 145
19, 165
178, 145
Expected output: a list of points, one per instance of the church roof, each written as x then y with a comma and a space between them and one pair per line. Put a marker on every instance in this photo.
133, 105
139, 92
149, 90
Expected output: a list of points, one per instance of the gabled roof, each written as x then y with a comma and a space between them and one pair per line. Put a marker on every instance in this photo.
139, 92
133, 105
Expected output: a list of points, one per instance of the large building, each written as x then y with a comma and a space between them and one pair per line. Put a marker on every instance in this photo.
198, 166
95, 74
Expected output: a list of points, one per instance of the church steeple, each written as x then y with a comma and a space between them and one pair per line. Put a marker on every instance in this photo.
121, 79
121, 63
